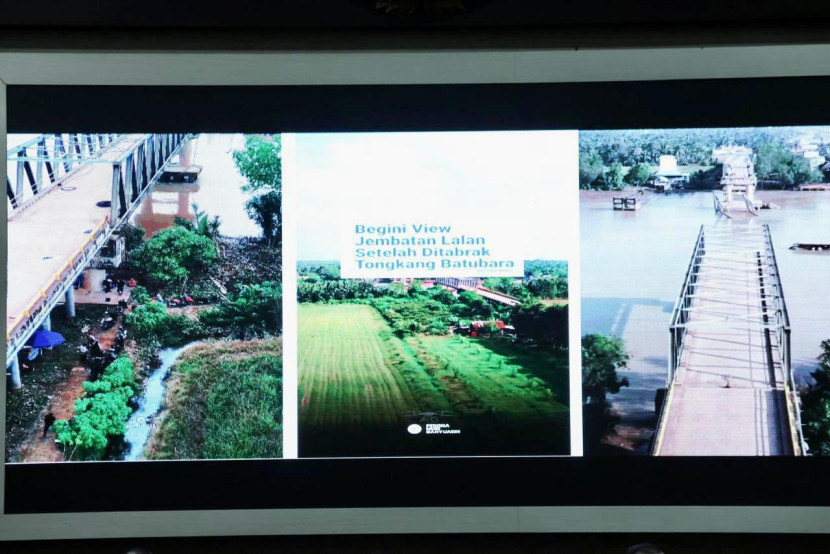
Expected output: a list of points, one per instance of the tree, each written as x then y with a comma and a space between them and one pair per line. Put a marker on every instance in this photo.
543, 324
591, 169
639, 174
614, 178
265, 210
815, 406
133, 236
602, 356
774, 162
255, 312
205, 225
548, 287
473, 306
260, 163
173, 254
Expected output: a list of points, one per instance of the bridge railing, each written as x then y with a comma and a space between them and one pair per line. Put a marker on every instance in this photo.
133, 174
38, 165
136, 170
781, 326
681, 312
39, 308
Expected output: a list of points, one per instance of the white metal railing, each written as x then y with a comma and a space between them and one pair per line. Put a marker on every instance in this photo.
44, 162
774, 319
133, 173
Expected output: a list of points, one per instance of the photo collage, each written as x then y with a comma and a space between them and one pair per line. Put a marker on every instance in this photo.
651, 292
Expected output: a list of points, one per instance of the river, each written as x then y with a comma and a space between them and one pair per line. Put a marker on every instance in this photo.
141, 423
217, 191
633, 265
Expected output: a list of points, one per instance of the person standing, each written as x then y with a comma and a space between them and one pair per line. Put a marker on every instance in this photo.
120, 286
48, 421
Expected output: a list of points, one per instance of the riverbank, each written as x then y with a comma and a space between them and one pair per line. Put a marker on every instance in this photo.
51, 384
633, 265
223, 400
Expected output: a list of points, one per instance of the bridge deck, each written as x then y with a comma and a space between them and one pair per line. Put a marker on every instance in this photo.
728, 396
46, 236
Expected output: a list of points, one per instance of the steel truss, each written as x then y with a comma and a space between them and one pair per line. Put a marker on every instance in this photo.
728, 263
133, 173
46, 161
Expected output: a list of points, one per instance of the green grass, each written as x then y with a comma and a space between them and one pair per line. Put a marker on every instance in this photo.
359, 384
502, 377
228, 403
353, 370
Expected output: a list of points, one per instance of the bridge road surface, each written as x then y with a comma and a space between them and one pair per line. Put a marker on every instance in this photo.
726, 344
45, 236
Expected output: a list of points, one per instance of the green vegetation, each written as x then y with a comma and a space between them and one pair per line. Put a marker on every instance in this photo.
50, 369
360, 385
228, 403
436, 310
101, 414
815, 406
266, 210
152, 321
639, 174
602, 357
139, 295
255, 312
612, 160
133, 236
779, 164
174, 254
344, 376
204, 225
260, 163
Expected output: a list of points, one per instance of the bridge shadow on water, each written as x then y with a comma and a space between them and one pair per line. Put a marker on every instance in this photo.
611, 316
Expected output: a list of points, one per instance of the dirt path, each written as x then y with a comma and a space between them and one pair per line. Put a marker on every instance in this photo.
38, 448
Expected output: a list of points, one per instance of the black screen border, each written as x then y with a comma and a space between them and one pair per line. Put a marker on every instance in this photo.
404, 482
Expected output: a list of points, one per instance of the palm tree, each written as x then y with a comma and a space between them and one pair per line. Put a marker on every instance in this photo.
204, 225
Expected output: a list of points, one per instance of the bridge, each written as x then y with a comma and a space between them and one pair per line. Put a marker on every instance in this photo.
730, 388
474, 285
66, 197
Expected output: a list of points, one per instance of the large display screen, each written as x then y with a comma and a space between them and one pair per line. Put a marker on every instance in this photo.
333, 315
431, 280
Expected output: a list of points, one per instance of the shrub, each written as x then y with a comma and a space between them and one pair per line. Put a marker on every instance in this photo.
255, 312
139, 295
174, 254
151, 321
102, 413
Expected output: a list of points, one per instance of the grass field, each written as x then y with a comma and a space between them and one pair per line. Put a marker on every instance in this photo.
359, 385
224, 401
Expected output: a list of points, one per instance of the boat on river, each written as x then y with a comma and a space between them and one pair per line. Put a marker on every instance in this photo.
811, 247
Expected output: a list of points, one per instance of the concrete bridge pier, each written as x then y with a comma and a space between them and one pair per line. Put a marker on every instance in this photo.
15, 371
70, 302
47, 323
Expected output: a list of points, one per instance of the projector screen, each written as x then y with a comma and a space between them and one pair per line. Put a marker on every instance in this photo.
331, 311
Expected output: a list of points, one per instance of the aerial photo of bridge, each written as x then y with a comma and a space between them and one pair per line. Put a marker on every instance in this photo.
127, 255
735, 220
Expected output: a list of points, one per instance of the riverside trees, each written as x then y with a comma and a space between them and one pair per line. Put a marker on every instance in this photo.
260, 163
